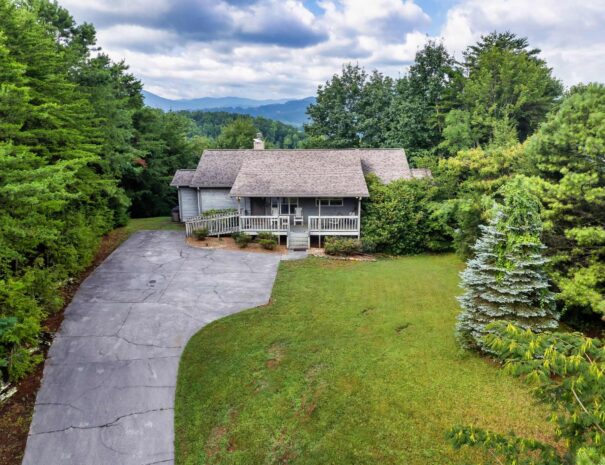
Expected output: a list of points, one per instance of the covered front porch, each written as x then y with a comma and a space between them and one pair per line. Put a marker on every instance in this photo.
315, 216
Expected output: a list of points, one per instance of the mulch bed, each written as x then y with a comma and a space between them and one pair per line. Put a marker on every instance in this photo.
227, 243
16, 413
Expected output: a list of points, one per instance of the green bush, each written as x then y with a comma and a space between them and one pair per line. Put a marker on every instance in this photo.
401, 218
242, 240
222, 211
342, 246
266, 236
268, 244
201, 234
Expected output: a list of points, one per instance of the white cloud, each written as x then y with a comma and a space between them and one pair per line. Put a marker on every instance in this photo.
280, 48
571, 34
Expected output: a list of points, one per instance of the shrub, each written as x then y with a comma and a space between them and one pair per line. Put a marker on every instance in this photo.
222, 211
565, 371
268, 244
342, 246
201, 234
266, 236
242, 240
401, 217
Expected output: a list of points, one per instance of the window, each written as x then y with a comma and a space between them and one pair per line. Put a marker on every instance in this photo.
329, 202
288, 205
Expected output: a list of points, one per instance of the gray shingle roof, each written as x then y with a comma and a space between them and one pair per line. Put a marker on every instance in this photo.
324, 170
219, 168
301, 173
182, 178
387, 164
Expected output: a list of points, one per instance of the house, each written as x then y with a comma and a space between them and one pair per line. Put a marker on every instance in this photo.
298, 194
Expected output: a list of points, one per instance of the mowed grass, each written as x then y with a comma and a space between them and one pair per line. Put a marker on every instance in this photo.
350, 363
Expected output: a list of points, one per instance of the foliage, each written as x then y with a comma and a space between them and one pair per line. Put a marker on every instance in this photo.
399, 218
421, 101
506, 279
350, 110
163, 146
467, 184
242, 240
505, 79
566, 373
238, 134
266, 235
201, 234
219, 211
267, 240
268, 244
276, 134
335, 245
348, 363
567, 158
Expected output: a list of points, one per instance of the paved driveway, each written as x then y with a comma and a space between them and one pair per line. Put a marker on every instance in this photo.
107, 395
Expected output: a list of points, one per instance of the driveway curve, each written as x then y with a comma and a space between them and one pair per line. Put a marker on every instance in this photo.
107, 394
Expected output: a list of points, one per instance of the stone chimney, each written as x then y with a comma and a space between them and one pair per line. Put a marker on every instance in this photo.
259, 143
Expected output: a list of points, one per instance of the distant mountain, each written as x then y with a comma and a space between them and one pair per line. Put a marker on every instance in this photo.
287, 111
291, 112
203, 103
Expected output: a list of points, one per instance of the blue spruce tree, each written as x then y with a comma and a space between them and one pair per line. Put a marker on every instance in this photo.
506, 279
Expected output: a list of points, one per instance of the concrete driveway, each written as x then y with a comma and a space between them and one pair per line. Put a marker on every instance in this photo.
107, 394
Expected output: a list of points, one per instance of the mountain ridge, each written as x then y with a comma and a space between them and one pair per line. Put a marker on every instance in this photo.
287, 111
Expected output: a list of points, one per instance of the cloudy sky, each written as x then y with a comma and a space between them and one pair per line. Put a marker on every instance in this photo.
285, 48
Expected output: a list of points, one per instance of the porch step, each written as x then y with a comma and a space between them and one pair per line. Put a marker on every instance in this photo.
298, 240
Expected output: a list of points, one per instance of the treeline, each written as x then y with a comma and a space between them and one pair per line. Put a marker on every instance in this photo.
478, 123
501, 88
211, 124
78, 151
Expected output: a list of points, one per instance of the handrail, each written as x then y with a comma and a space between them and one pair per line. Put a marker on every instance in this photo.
255, 223
215, 224
334, 223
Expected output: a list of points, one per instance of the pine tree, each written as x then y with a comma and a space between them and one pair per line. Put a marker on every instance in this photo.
506, 279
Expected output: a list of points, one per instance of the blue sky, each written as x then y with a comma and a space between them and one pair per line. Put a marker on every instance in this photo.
285, 48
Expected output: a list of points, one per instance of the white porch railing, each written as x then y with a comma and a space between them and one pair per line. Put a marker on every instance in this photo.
334, 224
264, 223
215, 224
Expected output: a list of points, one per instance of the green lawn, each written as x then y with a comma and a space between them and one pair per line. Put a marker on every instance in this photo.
156, 223
351, 363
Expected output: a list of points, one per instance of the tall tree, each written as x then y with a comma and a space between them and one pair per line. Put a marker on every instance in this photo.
350, 110
567, 155
422, 100
506, 279
506, 79
238, 134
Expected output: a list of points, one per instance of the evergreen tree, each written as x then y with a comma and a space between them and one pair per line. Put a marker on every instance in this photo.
506, 278
567, 157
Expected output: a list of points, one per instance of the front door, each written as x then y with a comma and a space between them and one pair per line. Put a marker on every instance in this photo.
257, 206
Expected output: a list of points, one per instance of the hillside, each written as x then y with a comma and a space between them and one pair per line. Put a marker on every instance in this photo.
286, 111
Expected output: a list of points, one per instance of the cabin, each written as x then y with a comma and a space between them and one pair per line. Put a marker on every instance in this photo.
297, 194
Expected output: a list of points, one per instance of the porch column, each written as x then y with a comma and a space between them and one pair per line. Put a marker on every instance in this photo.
319, 221
358, 217
239, 214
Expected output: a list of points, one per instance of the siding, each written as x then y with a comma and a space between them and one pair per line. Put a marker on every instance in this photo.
349, 204
216, 199
188, 202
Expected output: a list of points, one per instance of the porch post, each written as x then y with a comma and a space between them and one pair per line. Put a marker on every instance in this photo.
319, 221
358, 217
239, 214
